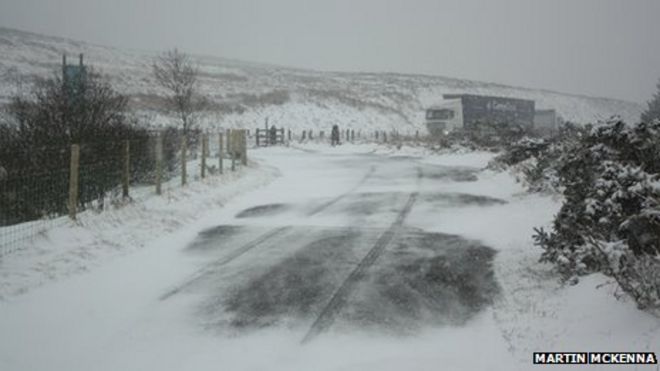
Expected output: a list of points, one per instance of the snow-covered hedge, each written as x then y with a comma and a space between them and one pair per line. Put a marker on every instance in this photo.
534, 161
609, 176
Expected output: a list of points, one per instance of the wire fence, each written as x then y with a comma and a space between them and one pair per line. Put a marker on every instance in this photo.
264, 137
43, 187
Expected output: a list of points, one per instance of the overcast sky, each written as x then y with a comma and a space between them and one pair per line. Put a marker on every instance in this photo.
595, 47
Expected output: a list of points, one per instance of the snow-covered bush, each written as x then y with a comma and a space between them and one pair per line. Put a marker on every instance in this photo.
523, 150
610, 219
535, 161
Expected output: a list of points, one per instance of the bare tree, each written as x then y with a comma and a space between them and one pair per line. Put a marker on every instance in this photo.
175, 72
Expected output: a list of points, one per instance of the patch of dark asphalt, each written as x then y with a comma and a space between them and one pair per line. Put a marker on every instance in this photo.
369, 203
424, 279
295, 288
263, 210
211, 238
455, 174
460, 199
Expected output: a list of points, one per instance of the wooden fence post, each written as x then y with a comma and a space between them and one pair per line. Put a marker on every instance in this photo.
229, 140
126, 170
257, 137
231, 143
244, 148
159, 163
184, 155
220, 154
73, 181
205, 144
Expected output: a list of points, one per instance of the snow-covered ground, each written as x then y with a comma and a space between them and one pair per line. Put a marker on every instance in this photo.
147, 288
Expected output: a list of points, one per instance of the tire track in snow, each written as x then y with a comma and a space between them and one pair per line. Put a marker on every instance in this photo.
338, 299
212, 267
324, 206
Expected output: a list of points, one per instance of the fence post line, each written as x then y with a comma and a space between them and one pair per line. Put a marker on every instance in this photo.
184, 155
73, 180
220, 154
126, 169
257, 137
159, 163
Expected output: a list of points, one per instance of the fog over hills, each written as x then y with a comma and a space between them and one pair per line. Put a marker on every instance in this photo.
244, 94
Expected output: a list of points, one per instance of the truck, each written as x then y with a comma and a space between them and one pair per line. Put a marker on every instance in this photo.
471, 112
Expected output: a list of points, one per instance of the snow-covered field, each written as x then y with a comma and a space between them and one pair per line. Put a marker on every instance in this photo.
247, 93
92, 296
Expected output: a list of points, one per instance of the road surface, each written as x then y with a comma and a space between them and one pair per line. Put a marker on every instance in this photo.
318, 258
304, 273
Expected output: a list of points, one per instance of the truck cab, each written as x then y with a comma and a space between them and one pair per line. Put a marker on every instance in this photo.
445, 117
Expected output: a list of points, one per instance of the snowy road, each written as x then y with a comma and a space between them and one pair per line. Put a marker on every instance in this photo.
349, 260
331, 266
344, 256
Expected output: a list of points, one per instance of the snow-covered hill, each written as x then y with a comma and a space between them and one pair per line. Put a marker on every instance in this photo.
247, 93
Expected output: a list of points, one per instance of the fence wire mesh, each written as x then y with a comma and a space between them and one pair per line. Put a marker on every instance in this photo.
36, 183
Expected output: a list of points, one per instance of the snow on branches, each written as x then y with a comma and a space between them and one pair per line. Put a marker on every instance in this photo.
609, 222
